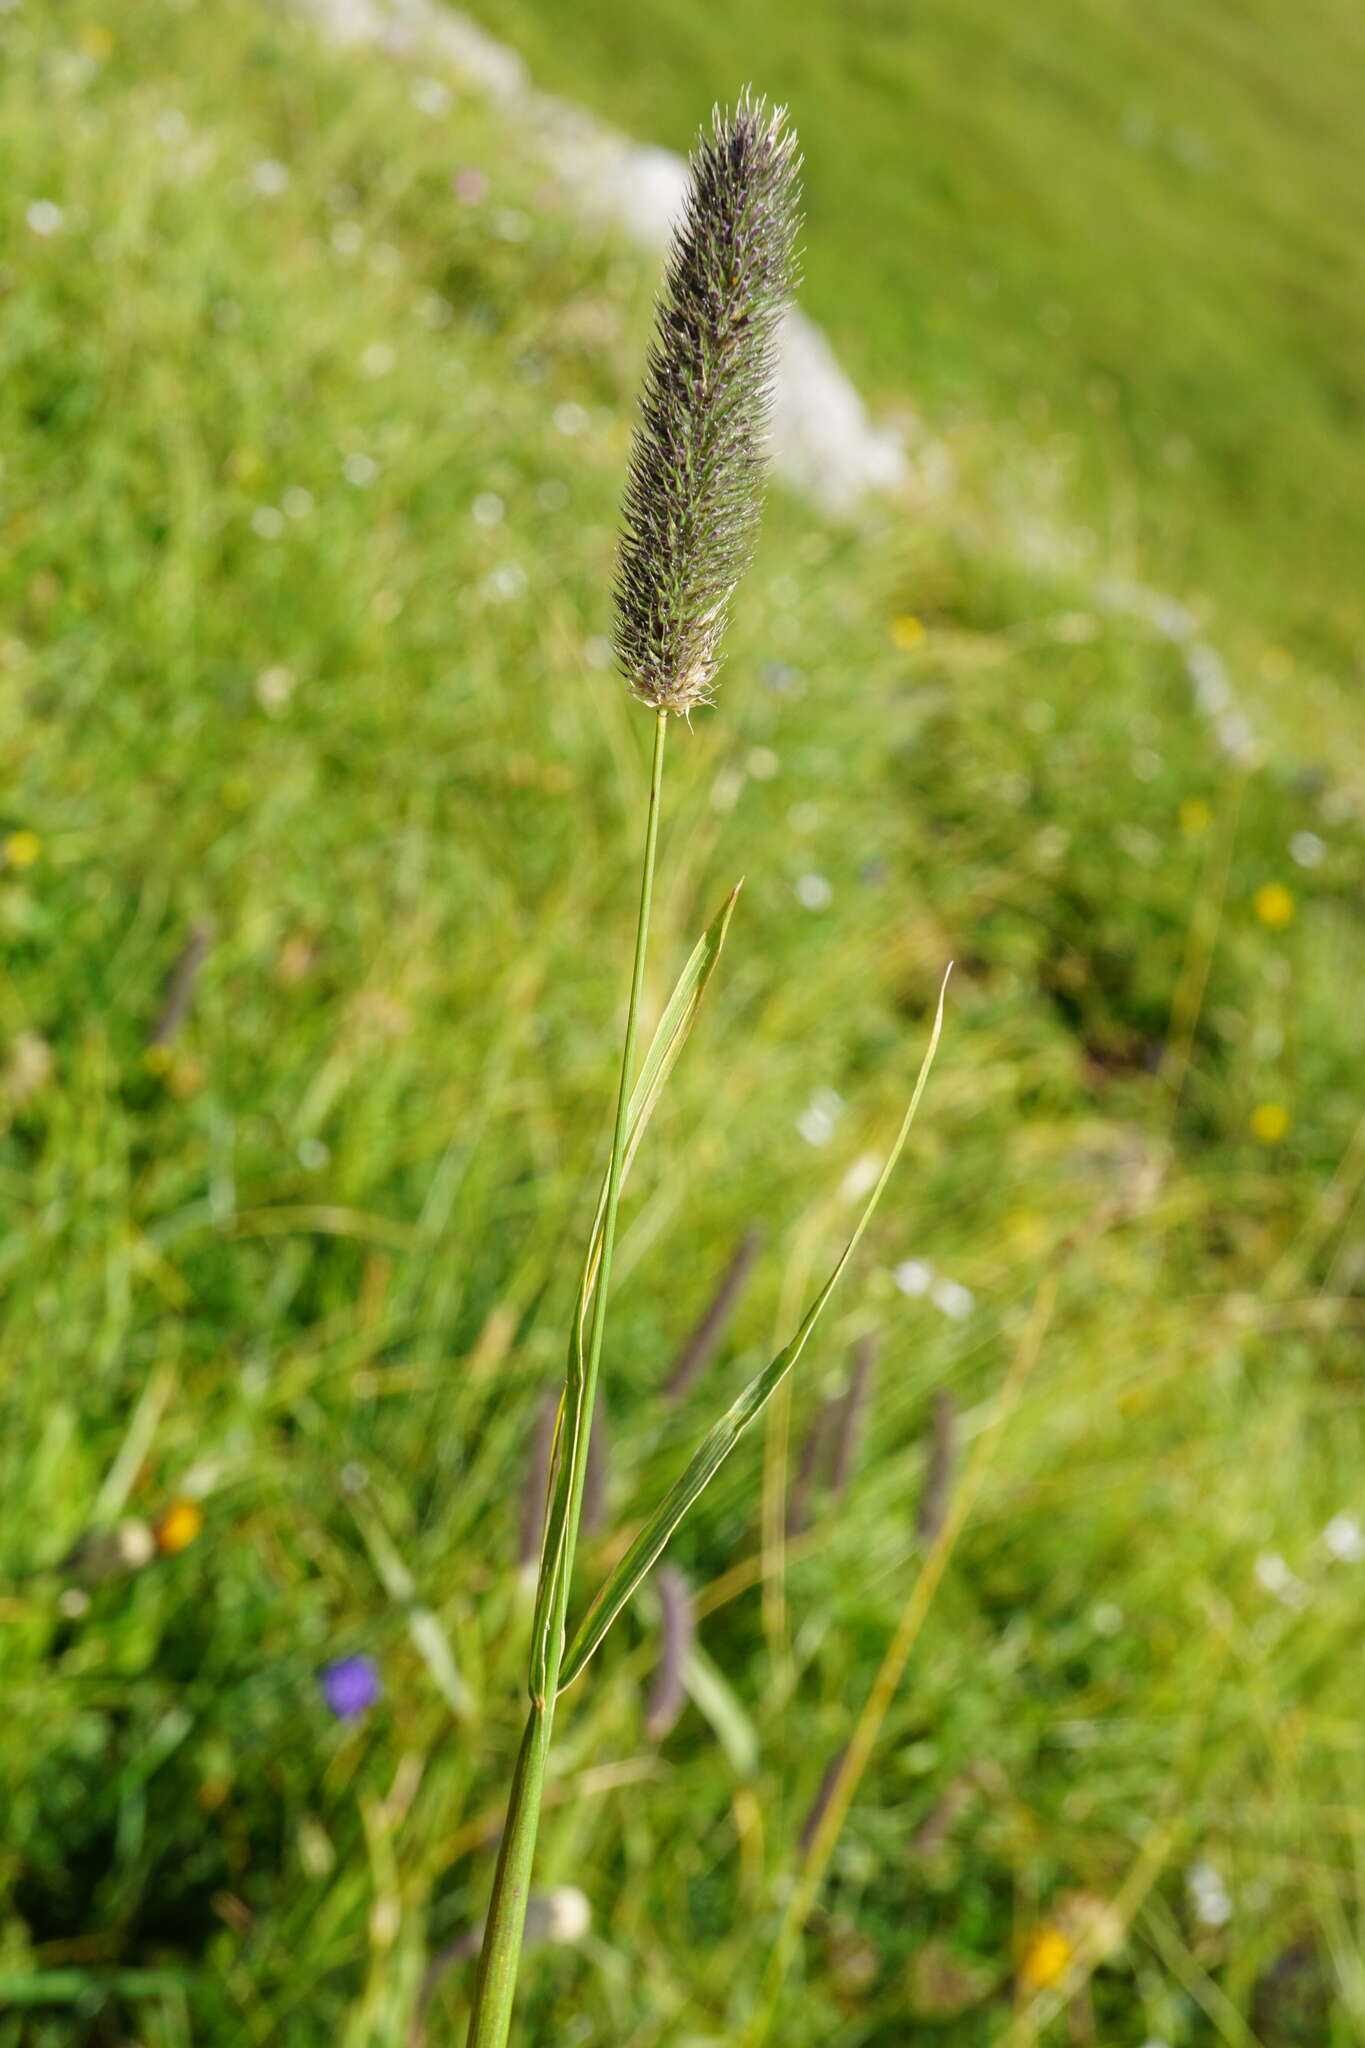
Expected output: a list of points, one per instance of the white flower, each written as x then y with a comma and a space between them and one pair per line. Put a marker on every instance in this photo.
430, 96
1272, 1573
506, 581
552, 495
360, 469
270, 177
813, 892
570, 419
1209, 1896
45, 217
1345, 1540
268, 522
488, 509
913, 1276
171, 127
1274, 1576
1107, 1618
297, 501
955, 1300
274, 688
561, 1915
1307, 849
1235, 735
815, 1125
817, 1121
377, 359
435, 312
312, 1154
762, 763
861, 1177
348, 237
1212, 690
597, 651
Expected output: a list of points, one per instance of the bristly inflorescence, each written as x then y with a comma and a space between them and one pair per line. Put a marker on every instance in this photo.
692, 498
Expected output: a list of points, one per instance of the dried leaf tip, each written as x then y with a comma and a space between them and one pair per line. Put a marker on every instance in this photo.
693, 493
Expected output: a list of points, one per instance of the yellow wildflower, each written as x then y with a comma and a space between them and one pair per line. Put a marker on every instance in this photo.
178, 1527
1047, 1956
1195, 817
22, 849
96, 41
1269, 1122
1274, 905
907, 632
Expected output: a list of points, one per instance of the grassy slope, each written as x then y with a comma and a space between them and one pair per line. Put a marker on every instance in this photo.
1131, 227
327, 1233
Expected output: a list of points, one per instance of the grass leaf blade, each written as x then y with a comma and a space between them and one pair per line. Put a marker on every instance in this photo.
670, 1035
718, 1443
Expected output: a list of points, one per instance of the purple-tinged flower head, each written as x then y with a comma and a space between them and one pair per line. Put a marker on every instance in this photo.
692, 498
668, 1693
351, 1686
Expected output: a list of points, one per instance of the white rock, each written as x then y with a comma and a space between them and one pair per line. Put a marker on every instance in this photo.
823, 441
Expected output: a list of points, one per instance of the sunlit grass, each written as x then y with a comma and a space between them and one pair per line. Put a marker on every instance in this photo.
309, 1264
1127, 234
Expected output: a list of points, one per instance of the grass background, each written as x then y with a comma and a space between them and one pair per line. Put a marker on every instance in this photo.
311, 458
1130, 230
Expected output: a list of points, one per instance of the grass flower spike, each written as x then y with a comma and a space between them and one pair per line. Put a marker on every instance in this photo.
692, 500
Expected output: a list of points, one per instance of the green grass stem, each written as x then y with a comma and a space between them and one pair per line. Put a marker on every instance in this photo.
491, 2019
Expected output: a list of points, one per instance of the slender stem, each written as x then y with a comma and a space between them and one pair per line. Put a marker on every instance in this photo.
491, 2019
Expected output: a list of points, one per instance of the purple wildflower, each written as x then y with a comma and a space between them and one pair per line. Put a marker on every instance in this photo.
351, 1686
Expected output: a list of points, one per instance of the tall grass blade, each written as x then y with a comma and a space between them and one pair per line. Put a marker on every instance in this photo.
716, 1447
664, 1047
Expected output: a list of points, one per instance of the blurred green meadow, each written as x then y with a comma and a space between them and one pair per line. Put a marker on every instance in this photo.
314, 407
1128, 232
